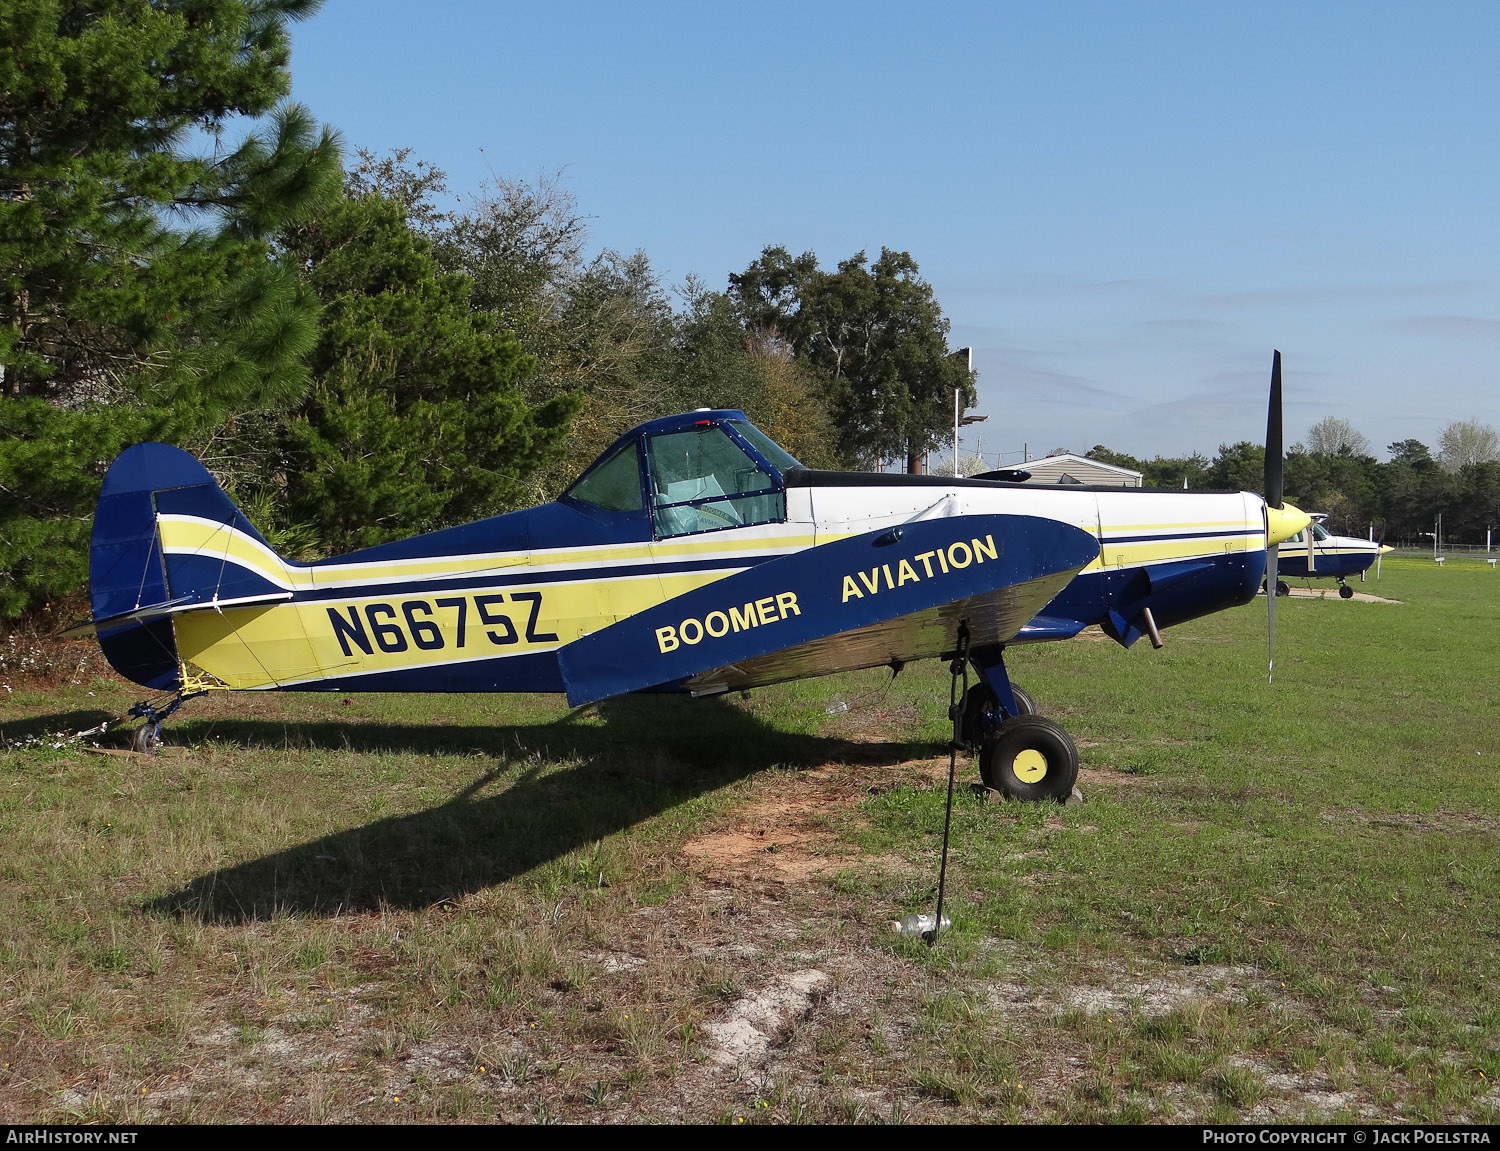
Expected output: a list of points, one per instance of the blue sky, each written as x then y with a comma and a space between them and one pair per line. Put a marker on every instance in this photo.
1121, 207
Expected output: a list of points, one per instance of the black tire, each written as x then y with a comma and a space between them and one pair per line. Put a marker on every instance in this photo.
1030, 757
1283, 588
981, 712
1345, 591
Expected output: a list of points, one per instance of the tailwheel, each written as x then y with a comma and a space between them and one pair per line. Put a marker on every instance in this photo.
146, 738
1030, 757
981, 714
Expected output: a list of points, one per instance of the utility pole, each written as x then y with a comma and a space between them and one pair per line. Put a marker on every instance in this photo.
964, 356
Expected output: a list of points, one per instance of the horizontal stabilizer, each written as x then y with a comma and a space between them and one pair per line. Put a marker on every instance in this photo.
888, 592
93, 627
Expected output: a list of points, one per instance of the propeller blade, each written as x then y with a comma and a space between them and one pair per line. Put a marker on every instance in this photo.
1309, 549
1274, 499
1271, 576
1273, 484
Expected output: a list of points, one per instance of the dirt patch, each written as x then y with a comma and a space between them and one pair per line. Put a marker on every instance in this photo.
782, 853
1426, 821
784, 836
1333, 593
1091, 777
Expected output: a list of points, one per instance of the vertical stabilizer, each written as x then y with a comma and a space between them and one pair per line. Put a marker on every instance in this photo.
136, 581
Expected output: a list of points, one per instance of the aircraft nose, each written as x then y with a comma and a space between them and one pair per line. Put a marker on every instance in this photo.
1284, 522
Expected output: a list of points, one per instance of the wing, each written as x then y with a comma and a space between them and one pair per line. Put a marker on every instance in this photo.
892, 595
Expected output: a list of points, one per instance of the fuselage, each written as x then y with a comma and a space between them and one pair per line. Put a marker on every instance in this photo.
1336, 557
673, 506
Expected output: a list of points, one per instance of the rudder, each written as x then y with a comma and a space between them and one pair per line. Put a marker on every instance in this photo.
138, 579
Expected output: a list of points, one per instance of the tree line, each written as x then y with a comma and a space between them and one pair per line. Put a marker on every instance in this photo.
187, 256
1333, 472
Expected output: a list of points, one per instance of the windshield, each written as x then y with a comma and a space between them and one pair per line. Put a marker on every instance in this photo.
702, 480
779, 457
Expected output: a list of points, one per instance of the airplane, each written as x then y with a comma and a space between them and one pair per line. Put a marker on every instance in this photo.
694, 556
1326, 556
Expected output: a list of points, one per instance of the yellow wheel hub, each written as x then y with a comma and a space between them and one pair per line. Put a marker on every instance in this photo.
1030, 766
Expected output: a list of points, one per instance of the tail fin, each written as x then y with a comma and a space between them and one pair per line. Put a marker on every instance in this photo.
166, 540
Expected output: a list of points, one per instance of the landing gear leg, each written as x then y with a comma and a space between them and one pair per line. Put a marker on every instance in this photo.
1022, 754
980, 711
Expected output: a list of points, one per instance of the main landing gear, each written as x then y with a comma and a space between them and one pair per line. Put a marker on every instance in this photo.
1345, 591
1021, 754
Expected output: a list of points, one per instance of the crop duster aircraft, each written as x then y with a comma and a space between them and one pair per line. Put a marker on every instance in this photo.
695, 555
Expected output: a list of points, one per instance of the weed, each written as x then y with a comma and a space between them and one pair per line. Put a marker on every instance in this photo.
1239, 1087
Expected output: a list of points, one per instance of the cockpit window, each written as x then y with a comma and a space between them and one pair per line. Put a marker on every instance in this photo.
779, 457
701, 480
614, 485
1319, 532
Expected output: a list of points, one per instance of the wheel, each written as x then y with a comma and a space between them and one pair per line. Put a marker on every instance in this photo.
146, 738
1283, 588
981, 711
1030, 757
1345, 591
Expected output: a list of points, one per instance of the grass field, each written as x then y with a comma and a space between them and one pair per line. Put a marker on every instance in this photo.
1278, 902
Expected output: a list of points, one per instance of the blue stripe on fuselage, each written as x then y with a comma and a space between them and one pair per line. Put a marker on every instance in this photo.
1174, 537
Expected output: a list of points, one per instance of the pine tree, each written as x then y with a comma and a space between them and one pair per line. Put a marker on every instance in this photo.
139, 294
414, 420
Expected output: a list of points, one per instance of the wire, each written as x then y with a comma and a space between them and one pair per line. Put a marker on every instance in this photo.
960, 666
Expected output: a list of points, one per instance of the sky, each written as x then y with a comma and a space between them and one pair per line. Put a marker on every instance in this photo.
1121, 208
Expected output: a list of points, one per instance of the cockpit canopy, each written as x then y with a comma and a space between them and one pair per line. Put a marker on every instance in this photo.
699, 472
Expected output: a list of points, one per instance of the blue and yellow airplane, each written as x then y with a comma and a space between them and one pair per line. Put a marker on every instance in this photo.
695, 555
1314, 553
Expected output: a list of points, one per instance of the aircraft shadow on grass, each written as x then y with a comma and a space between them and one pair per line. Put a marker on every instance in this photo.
637, 765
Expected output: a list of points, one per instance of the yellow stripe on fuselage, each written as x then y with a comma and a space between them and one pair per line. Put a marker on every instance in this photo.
1169, 543
257, 647
189, 535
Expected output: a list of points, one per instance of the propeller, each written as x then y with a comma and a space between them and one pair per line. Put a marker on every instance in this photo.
1282, 520
1274, 499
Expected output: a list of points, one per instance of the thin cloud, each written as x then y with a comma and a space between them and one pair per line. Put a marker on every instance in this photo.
1333, 293
1040, 384
1474, 327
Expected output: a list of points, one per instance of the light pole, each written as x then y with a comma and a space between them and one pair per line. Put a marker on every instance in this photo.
961, 421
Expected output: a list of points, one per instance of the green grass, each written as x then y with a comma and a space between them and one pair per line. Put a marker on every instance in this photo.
1278, 902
